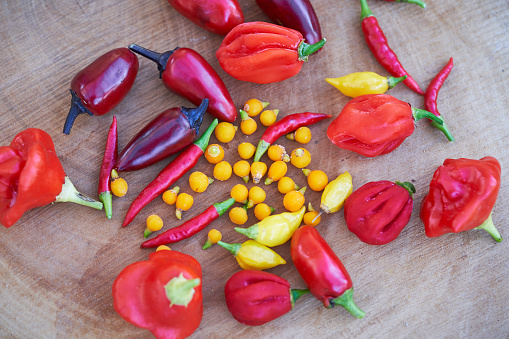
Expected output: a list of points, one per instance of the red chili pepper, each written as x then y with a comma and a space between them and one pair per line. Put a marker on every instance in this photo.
31, 175
190, 227
375, 124
322, 271
261, 52
168, 133
461, 197
379, 46
417, 2
296, 14
284, 126
378, 211
162, 294
108, 163
216, 16
256, 297
431, 95
186, 73
186, 160
102, 85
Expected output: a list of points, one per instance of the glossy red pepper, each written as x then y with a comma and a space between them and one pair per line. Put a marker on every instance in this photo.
379, 46
186, 160
31, 176
162, 294
296, 14
216, 16
190, 227
108, 163
102, 85
261, 52
186, 73
461, 197
256, 297
284, 126
378, 211
322, 271
168, 133
375, 124
417, 2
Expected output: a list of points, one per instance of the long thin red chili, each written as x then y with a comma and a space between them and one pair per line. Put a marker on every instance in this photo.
431, 95
186, 160
108, 163
284, 126
379, 46
190, 227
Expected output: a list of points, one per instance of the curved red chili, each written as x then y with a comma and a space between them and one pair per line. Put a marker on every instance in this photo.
186, 73
417, 2
284, 126
186, 160
379, 46
190, 227
108, 163
102, 85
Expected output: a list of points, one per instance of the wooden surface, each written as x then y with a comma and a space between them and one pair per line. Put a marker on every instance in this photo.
58, 263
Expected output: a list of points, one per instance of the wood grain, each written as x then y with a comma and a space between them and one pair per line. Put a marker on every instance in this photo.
58, 263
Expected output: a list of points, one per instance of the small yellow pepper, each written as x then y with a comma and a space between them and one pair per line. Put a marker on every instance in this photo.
212, 238
277, 170
335, 193
274, 230
252, 255
361, 83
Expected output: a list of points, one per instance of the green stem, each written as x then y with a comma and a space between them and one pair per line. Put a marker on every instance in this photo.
295, 294
224, 206
306, 50
392, 81
233, 248
418, 114
180, 290
262, 147
146, 233
243, 115
250, 232
444, 129
106, 199
365, 11
208, 244
489, 227
408, 186
70, 194
417, 2
203, 141
346, 300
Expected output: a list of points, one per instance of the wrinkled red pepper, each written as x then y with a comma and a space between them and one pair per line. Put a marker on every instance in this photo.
108, 163
262, 52
322, 271
375, 124
162, 294
256, 297
31, 175
461, 197
378, 211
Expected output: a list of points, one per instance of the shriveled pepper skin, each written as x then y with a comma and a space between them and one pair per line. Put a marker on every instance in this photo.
461, 195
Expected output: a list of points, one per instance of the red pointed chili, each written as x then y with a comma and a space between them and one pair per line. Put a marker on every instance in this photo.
417, 2
108, 163
379, 46
190, 227
431, 95
170, 174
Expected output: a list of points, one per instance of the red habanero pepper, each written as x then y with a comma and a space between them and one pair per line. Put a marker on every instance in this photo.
216, 16
162, 294
417, 2
186, 73
284, 126
256, 297
190, 227
431, 95
262, 52
377, 43
108, 163
461, 197
31, 176
296, 14
322, 271
168, 133
186, 160
102, 85
375, 124
378, 211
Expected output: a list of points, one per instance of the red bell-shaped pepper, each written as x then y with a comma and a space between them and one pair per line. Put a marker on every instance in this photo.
31, 175
461, 197
162, 294
256, 297
378, 211
322, 271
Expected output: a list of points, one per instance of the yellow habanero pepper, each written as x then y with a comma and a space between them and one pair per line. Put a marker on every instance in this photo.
252, 255
361, 83
335, 194
276, 229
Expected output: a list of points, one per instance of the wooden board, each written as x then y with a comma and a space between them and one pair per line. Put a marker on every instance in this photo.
58, 263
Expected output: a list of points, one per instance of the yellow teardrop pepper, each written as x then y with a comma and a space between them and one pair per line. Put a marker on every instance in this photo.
335, 193
252, 255
276, 229
361, 83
